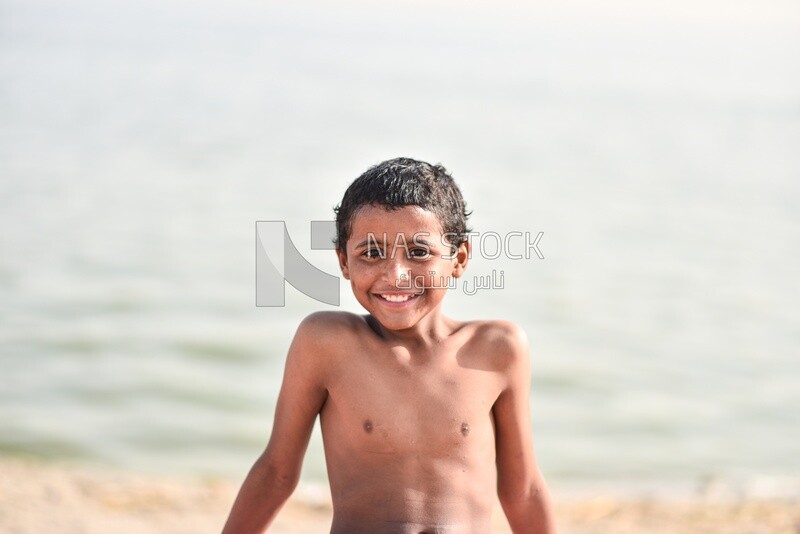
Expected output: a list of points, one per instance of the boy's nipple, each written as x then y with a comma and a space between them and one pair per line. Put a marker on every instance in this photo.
367, 426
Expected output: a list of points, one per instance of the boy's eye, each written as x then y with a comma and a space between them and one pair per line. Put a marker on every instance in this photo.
373, 253
419, 253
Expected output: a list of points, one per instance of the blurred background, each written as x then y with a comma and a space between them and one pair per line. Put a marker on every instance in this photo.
655, 145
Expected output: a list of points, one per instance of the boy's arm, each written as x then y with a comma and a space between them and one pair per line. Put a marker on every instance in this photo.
521, 487
275, 474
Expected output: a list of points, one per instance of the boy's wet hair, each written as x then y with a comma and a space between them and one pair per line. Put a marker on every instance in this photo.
405, 182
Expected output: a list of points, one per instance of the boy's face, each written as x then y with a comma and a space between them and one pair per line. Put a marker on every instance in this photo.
399, 264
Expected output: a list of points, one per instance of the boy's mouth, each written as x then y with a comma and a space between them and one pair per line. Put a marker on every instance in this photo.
398, 298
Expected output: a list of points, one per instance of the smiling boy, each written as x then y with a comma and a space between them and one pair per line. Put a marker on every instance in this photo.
422, 416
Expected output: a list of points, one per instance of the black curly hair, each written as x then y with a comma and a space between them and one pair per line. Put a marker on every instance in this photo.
405, 182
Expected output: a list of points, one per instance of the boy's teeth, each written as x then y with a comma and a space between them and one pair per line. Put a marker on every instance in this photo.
396, 298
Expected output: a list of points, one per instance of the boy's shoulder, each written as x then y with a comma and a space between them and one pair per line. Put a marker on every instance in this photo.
329, 325
500, 331
330, 318
504, 340
322, 337
501, 347
503, 343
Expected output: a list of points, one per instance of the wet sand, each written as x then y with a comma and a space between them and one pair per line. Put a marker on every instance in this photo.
39, 498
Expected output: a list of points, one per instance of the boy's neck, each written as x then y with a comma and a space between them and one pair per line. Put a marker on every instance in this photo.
428, 332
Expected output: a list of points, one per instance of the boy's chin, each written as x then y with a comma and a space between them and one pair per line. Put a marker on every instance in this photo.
392, 323
396, 326
397, 323
399, 319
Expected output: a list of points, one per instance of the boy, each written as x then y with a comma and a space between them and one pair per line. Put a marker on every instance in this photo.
421, 415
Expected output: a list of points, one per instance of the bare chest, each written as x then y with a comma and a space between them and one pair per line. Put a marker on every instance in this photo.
390, 403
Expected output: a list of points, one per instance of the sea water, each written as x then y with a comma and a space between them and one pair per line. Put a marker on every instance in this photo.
655, 150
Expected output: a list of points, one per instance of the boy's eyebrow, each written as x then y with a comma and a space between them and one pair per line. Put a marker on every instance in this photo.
369, 241
373, 241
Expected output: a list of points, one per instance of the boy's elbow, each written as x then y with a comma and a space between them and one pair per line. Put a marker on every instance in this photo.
528, 508
519, 498
516, 488
275, 477
266, 488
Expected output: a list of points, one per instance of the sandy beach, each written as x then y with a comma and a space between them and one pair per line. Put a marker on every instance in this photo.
38, 498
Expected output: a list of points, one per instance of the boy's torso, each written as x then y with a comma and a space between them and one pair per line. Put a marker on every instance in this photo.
409, 433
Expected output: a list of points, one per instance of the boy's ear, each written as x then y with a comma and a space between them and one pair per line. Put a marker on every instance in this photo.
343, 263
461, 258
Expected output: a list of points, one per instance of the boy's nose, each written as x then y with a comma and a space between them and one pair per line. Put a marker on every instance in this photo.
397, 271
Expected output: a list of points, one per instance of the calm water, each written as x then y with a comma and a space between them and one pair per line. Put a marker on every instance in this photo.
657, 151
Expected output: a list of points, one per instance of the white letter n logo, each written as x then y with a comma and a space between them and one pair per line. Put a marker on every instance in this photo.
278, 261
